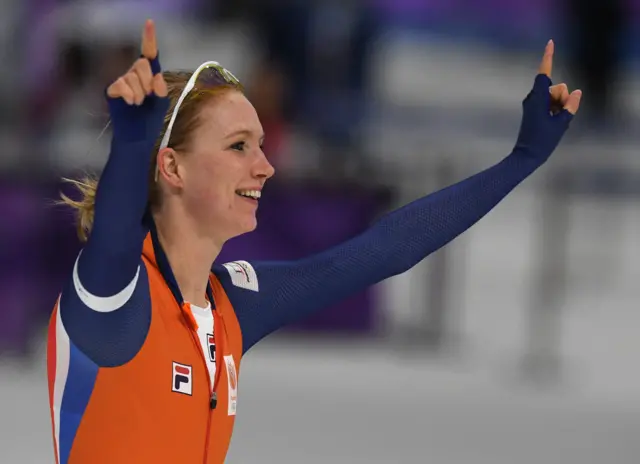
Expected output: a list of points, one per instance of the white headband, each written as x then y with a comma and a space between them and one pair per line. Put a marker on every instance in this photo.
188, 88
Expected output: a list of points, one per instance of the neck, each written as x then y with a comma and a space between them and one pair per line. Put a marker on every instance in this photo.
190, 255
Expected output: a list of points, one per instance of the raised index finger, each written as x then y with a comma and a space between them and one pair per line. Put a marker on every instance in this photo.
149, 43
546, 65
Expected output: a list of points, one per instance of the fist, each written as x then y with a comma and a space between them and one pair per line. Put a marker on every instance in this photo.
139, 81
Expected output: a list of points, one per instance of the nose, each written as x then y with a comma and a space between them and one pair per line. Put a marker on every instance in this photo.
262, 168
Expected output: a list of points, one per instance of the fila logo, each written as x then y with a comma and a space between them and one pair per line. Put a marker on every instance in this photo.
243, 275
182, 381
211, 343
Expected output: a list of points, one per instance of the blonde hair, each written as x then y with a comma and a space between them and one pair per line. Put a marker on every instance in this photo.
186, 122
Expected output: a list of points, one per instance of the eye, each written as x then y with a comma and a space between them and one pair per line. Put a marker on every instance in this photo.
239, 146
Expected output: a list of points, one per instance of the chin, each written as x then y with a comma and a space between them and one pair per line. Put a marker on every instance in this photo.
246, 225
251, 227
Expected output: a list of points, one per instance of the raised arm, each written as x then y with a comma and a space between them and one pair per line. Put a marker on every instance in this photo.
105, 306
268, 296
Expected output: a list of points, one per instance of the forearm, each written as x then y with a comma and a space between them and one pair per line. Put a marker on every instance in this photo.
404, 237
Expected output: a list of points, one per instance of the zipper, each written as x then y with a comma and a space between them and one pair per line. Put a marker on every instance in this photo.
208, 431
213, 400
193, 330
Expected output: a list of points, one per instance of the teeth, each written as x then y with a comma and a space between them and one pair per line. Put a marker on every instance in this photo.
255, 194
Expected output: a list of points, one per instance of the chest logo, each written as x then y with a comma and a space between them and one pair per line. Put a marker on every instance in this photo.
182, 379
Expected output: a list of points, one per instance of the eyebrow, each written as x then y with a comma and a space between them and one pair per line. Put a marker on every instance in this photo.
242, 132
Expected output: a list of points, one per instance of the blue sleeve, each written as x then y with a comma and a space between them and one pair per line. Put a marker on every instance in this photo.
105, 307
269, 295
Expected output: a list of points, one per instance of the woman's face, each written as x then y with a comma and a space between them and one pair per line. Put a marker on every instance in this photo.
222, 174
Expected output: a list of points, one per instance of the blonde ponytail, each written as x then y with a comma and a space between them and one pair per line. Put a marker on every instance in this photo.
85, 206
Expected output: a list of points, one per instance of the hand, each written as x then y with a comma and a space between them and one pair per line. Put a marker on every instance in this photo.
548, 111
141, 80
138, 100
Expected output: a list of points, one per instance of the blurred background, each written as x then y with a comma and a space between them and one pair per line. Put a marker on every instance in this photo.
517, 343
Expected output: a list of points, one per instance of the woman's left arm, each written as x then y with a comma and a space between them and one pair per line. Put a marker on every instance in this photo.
268, 296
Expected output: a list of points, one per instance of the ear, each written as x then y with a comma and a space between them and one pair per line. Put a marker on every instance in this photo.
167, 161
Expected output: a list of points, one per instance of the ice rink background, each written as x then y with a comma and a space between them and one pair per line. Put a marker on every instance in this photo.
436, 100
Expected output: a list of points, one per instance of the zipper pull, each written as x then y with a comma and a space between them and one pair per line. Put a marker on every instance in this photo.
214, 400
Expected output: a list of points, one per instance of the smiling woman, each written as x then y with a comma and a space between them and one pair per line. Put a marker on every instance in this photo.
146, 339
197, 141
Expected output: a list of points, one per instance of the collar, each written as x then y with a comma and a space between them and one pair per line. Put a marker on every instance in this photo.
152, 250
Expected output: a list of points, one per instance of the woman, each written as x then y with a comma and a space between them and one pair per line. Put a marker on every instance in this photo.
146, 339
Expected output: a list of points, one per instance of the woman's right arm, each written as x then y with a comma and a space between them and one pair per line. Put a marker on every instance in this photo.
105, 306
